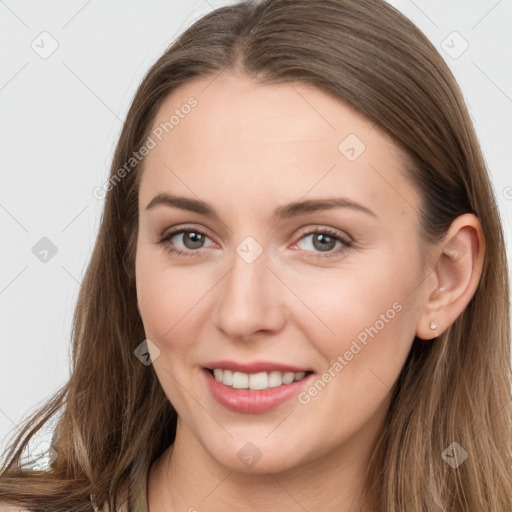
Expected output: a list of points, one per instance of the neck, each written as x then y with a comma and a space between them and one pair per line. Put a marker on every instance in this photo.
187, 478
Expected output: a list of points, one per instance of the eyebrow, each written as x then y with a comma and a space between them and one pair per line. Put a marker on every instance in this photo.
280, 213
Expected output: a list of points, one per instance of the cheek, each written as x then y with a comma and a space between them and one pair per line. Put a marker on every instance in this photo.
371, 318
361, 323
170, 300
341, 304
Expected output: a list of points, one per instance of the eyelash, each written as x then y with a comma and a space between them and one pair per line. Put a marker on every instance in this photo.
324, 231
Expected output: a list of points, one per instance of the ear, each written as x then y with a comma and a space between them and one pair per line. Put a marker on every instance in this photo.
458, 263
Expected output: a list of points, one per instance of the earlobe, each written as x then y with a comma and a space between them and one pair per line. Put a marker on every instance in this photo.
457, 270
432, 331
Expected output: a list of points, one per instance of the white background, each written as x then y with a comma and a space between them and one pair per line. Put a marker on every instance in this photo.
61, 117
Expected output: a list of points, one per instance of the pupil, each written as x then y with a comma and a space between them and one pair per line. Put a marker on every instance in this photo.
194, 238
324, 238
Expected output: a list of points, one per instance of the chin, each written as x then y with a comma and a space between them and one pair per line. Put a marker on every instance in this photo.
258, 456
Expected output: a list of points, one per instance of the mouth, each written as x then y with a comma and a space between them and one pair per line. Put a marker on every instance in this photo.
254, 393
256, 381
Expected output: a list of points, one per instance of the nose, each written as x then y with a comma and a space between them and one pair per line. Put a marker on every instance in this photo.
249, 300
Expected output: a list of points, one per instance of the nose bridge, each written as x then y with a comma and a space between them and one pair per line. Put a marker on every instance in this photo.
248, 300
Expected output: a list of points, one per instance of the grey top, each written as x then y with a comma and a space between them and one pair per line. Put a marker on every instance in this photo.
141, 499
138, 491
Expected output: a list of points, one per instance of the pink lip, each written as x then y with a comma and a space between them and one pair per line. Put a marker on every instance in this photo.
252, 401
254, 367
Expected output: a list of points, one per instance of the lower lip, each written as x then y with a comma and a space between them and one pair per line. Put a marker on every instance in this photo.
253, 401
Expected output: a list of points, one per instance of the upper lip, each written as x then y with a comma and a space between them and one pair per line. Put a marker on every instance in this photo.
254, 367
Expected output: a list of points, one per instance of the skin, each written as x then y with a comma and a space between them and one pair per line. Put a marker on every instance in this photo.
246, 149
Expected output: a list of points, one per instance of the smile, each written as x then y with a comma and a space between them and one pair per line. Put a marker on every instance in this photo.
255, 381
254, 393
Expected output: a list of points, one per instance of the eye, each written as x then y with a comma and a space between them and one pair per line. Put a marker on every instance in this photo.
323, 241
192, 239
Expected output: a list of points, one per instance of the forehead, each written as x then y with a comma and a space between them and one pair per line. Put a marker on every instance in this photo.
279, 140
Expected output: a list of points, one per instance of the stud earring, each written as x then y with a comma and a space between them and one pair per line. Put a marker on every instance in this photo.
441, 290
433, 325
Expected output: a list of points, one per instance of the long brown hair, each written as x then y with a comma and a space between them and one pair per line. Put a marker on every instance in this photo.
114, 419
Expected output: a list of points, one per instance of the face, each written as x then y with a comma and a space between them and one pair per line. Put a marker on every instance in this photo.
327, 297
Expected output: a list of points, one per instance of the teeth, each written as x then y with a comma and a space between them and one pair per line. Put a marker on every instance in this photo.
258, 380
275, 379
227, 377
255, 381
288, 377
240, 380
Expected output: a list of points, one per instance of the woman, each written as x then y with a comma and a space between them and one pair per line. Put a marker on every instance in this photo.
298, 297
